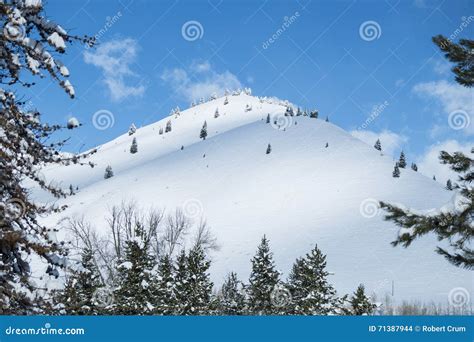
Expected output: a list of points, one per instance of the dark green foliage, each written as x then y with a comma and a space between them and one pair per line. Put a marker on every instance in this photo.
311, 292
454, 227
78, 295
268, 118
108, 172
135, 291
263, 279
314, 114
360, 303
168, 126
269, 149
165, 294
414, 167
461, 54
232, 296
449, 185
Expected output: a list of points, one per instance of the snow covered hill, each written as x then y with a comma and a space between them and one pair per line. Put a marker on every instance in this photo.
300, 194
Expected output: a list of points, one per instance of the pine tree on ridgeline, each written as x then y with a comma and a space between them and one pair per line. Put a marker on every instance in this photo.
361, 303
314, 114
414, 167
263, 279
311, 292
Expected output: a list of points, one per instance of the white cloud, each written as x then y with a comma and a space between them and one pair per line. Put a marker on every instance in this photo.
429, 164
115, 58
392, 143
199, 80
452, 98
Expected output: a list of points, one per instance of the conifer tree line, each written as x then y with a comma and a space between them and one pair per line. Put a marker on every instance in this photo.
179, 284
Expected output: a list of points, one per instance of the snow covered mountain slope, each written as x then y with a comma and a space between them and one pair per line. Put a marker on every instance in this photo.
300, 194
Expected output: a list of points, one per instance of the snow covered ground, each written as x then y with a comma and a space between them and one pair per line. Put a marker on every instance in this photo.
300, 194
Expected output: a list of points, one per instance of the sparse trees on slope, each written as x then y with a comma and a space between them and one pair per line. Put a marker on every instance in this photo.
361, 303
263, 279
216, 113
396, 171
28, 42
311, 292
78, 295
203, 133
168, 126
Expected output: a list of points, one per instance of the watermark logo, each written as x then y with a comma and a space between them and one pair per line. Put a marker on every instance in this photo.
370, 30
193, 208
369, 208
103, 119
280, 296
458, 297
280, 121
192, 30
459, 119
14, 32
287, 22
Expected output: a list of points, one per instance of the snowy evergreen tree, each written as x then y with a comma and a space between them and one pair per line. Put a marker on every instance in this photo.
327, 145
136, 288
311, 292
268, 118
31, 42
263, 279
314, 114
449, 185
78, 295
402, 163
396, 171
168, 126
378, 145
165, 294
108, 172
226, 101
269, 149
327, 118
160, 132
181, 284
452, 226
232, 296
299, 112
132, 129
248, 108
360, 303
203, 133
71, 190
414, 167
134, 146
216, 113
289, 111
434, 178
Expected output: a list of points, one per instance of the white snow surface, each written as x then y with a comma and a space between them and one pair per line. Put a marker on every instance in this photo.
298, 195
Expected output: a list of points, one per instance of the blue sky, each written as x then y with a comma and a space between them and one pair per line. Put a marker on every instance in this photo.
321, 58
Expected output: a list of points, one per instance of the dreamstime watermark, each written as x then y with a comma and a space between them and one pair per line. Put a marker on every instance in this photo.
280, 296
192, 30
369, 208
103, 119
192, 208
287, 22
46, 330
281, 121
370, 30
459, 297
374, 114
14, 32
103, 297
109, 22
459, 119
465, 22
